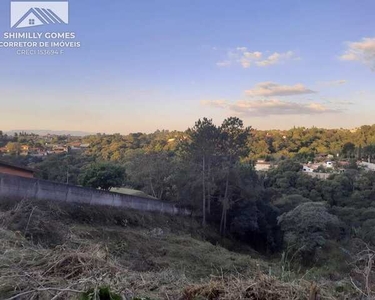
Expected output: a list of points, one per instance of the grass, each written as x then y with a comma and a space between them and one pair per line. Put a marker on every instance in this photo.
52, 250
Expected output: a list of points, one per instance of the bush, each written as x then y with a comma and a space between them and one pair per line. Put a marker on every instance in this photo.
307, 228
287, 203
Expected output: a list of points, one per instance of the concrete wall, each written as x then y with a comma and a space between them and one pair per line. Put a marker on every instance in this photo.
20, 187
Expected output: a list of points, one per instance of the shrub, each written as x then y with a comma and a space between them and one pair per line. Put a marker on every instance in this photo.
307, 228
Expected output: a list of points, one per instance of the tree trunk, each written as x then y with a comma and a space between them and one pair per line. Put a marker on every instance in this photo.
204, 190
152, 187
223, 222
209, 189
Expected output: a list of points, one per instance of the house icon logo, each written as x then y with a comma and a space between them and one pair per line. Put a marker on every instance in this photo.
30, 14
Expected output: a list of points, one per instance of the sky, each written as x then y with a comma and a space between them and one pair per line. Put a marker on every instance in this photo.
163, 64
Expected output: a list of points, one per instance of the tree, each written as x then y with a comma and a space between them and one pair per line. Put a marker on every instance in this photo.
233, 145
348, 150
308, 227
64, 168
201, 149
152, 172
369, 152
103, 175
289, 202
13, 148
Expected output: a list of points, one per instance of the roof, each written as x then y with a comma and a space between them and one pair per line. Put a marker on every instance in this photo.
5, 164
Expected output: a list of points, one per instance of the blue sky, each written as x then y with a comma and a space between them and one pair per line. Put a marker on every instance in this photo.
147, 65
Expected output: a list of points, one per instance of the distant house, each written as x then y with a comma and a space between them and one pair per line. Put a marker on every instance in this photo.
60, 149
329, 164
367, 166
262, 165
307, 169
75, 144
343, 163
11, 169
3, 150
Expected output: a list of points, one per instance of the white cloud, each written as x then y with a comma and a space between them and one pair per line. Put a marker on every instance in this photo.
246, 58
271, 107
276, 58
269, 89
362, 51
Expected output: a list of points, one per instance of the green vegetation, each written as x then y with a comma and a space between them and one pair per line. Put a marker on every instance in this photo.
315, 226
103, 175
102, 293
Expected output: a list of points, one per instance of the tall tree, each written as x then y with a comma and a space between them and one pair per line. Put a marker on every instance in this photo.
153, 172
233, 145
348, 150
369, 152
201, 149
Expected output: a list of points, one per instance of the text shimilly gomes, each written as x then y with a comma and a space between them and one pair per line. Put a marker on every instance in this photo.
39, 35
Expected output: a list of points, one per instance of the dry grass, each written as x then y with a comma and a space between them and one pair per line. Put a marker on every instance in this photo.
261, 287
37, 273
50, 251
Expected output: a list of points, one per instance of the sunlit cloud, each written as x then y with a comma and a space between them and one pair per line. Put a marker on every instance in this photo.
271, 107
271, 89
245, 58
362, 51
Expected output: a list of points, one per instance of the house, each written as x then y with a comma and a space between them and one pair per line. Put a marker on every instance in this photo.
75, 144
329, 164
262, 165
60, 149
7, 168
307, 169
343, 163
3, 150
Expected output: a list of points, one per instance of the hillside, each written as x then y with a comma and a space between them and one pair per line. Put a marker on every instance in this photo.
59, 251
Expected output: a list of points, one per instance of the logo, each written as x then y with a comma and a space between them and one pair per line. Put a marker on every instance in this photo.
30, 14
